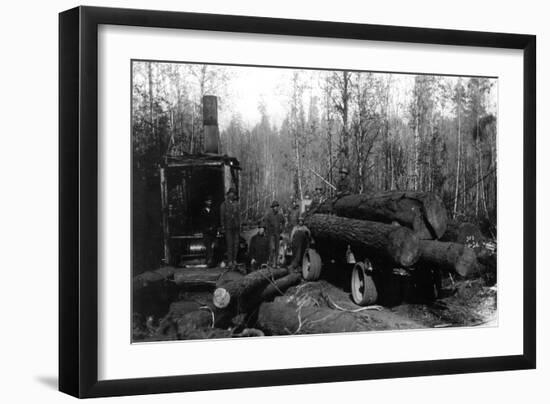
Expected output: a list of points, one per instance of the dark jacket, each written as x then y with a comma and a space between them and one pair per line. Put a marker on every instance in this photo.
317, 201
274, 223
259, 248
293, 217
299, 229
207, 220
344, 186
230, 215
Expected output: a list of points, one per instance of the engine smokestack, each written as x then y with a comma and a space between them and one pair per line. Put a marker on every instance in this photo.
210, 124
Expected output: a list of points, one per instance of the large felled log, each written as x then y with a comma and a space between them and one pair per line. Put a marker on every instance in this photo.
279, 286
284, 317
153, 292
240, 313
203, 277
422, 212
147, 278
235, 293
395, 243
451, 256
281, 318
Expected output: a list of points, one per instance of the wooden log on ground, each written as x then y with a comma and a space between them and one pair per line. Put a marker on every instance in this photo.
282, 318
248, 306
422, 212
203, 277
395, 243
232, 294
451, 256
147, 278
280, 286
153, 292
470, 235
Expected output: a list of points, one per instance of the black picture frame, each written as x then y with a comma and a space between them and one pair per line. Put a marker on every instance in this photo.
78, 200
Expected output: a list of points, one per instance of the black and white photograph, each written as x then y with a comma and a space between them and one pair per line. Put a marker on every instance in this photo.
275, 202
278, 201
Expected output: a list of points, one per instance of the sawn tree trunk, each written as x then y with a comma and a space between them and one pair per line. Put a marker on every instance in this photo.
451, 256
422, 212
395, 243
235, 293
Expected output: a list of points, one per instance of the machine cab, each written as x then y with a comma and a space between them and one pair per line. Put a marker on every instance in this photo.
185, 183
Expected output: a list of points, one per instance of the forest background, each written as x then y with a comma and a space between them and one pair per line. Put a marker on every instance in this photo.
291, 127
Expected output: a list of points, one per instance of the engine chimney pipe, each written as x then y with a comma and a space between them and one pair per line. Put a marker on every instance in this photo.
210, 124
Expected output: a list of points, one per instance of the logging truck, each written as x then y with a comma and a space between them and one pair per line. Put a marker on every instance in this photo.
363, 288
380, 233
186, 180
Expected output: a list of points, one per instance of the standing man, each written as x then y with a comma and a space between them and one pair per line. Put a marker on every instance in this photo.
318, 198
294, 214
230, 216
274, 223
207, 220
259, 248
299, 239
343, 187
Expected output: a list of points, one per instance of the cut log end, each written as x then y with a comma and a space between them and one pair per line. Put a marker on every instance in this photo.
423, 212
436, 214
221, 298
466, 263
404, 246
452, 256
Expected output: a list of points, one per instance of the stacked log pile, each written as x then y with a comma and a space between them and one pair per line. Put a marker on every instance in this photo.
423, 212
403, 228
470, 235
397, 244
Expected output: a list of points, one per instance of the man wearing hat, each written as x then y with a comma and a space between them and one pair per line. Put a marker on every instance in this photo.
294, 214
274, 225
299, 239
258, 251
343, 187
230, 217
318, 198
207, 221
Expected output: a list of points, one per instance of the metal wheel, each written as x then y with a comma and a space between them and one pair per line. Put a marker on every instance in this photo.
363, 289
311, 265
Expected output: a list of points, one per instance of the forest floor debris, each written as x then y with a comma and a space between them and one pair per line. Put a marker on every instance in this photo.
321, 307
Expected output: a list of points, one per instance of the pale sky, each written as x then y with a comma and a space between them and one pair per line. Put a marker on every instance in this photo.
273, 86
246, 87
251, 86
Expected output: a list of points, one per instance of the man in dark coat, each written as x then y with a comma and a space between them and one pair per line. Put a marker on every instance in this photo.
207, 220
258, 251
274, 225
294, 214
299, 239
230, 217
343, 187
318, 198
